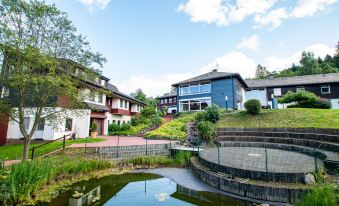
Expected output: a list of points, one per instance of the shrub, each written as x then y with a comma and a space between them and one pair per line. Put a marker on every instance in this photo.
94, 126
252, 106
323, 195
304, 99
212, 113
113, 128
207, 130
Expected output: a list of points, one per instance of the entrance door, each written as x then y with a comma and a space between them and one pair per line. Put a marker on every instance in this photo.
39, 133
99, 130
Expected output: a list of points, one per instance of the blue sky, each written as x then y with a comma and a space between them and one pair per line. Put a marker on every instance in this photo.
151, 44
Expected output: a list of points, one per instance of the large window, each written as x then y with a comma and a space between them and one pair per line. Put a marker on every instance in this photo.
26, 123
300, 89
195, 89
92, 96
100, 98
121, 103
41, 125
194, 105
325, 89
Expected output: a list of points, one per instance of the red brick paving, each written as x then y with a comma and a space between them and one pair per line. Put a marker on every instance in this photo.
123, 141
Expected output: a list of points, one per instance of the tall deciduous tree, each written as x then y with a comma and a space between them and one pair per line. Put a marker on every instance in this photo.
261, 72
140, 95
37, 44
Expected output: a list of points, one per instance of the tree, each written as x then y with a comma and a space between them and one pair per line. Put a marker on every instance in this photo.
261, 72
309, 64
40, 50
139, 95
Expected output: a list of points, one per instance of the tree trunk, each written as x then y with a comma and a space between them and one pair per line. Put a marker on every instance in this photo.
27, 142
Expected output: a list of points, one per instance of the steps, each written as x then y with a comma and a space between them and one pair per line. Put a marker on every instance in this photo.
275, 193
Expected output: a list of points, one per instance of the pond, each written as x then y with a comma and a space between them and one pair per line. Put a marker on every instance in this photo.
136, 189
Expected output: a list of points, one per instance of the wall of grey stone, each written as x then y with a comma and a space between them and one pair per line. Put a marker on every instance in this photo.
284, 130
303, 142
115, 152
251, 174
259, 192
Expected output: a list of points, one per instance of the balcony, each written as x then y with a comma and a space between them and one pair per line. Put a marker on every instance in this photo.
121, 111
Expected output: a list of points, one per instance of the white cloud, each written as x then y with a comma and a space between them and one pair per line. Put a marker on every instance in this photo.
310, 7
245, 8
251, 42
274, 17
211, 11
263, 11
234, 61
152, 85
274, 63
95, 4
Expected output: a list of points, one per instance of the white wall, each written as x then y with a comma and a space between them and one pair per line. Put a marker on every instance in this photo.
260, 95
80, 124
335, 103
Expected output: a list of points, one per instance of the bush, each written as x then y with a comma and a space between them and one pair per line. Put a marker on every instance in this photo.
212, 113
252, 106
304, 99
324, 195
207, 130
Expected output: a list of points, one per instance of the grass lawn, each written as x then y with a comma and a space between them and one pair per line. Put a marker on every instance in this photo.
15, 151
283, 118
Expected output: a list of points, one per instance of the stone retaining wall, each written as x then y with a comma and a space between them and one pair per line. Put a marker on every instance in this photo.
265, 193
115, 152
251, 174
291, 130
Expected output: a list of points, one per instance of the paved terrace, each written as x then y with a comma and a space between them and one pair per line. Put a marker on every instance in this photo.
112, 141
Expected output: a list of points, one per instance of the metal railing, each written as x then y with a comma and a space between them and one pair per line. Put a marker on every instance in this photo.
33, 149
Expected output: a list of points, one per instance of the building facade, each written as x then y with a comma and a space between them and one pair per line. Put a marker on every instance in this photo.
227, 90
103, 103
323, 85
168, 102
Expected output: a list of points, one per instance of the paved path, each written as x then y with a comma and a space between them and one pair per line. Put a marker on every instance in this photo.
123, 141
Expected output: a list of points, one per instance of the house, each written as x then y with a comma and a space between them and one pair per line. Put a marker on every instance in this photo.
227, 90
168, 101
103, 103
323, 85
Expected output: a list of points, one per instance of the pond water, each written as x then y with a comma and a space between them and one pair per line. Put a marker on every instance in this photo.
136, 189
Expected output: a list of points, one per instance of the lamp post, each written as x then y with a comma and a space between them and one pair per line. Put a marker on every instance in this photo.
226, 98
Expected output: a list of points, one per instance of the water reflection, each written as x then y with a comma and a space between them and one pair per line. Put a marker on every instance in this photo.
137, 189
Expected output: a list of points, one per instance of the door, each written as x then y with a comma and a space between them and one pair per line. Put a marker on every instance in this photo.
39, 133
99, 130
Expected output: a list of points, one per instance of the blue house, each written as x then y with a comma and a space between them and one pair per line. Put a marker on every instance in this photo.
227, 90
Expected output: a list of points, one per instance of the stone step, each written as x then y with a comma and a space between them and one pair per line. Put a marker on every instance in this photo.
275, 193
309, 136
326, 155
329, 146
327, 131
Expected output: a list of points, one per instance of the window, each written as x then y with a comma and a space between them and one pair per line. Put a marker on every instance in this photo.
174, 99
92, 96
277, 92
126, 105
195, 89
68, 126
161, 101
170, 100
165, 101
41, 125
325, 89
118, 122
114, 121
300, 89
194, 105
121, 103
100, 98
26, 122
4, 92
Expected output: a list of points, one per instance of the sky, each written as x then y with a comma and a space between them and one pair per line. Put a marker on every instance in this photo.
151, 44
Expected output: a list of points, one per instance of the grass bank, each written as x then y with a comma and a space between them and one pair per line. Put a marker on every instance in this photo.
322, 195
11, 152
283, 118
174, 130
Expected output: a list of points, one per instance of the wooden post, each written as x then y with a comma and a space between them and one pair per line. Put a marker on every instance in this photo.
64, 143
33, 150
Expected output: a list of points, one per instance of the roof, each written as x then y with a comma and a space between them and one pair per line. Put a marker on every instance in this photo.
294, 81
173, 94
116, 92
97, 107
210, 76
